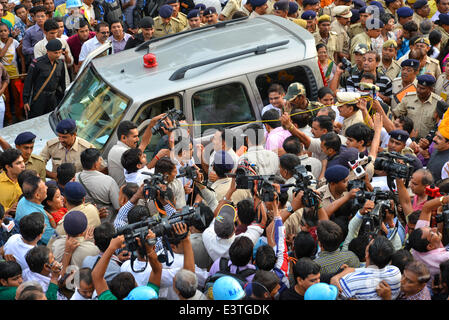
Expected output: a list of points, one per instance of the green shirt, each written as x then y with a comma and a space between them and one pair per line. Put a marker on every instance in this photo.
7, 293
107, 295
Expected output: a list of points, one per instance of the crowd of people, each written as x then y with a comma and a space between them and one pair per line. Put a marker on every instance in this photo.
346, 197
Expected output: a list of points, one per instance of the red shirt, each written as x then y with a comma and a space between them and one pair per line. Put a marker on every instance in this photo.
58, 215
75, 45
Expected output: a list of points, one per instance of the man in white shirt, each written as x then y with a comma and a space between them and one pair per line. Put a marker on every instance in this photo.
31, 230
276, 95
266, 161
51, 29
102, 34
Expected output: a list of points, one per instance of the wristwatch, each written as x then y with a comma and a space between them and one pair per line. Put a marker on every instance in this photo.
290, 209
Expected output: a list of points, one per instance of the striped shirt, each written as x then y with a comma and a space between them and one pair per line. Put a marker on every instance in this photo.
362, 283
330, 262
382, 81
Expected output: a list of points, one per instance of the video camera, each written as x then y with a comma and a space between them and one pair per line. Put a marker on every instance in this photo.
174, 115
160, 227
429, 137
346, 64
151, 186
189, 172
303, 180
387, 161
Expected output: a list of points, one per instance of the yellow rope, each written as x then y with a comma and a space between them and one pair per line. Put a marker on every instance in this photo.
255, 121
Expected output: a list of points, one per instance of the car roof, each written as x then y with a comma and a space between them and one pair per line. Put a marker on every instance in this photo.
126, 72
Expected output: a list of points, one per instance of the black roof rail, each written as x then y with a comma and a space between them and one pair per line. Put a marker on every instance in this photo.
216, 25
180, 73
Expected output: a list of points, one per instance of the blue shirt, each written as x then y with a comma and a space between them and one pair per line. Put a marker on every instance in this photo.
32, 36
25, 207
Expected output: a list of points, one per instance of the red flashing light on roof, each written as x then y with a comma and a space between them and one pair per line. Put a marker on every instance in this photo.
149, 60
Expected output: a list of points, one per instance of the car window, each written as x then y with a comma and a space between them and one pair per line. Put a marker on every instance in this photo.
151, 109
96, 107
228, 105
285, 77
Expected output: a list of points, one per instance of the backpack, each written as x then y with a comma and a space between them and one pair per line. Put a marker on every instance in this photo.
112, 10
224, 270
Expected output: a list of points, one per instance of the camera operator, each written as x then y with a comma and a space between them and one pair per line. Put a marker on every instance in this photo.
102, 287
426, 242
420, 179
167, 168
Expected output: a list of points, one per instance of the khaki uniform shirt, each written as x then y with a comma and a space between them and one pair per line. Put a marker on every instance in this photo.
330, 42
221, 187
420, 112
92, 215
58, 154
442, 87
243, 9
418, 19
160, 29
355, 118
86, 248
343, 37
231, 7
355, 29
432, 67
270, 4
327, 197
183, 19
36, 163
392, 71
189, 28
397, 87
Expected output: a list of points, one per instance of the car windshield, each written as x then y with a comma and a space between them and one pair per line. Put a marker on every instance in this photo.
95, 106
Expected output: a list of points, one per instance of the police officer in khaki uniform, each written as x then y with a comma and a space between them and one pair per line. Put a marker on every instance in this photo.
165, 24
442, 25
194, 18
407, 80
25, 143
259, 8
420, 105
310, 17
388, 64
391, 6
67, 147
177, 13
293, 9
330, 9
229, 9
325, 35
428, 65
281, 8
421, 11
359, 27
340, 25
372, 31
310, 5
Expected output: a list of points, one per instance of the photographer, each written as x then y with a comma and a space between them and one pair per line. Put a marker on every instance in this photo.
419, 181
117, 291
426, 242
167, 168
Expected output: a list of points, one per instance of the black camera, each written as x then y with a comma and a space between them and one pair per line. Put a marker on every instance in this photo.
346, 64
303, 180
386, 162
266, 190
190, 172
174, 115
429, 137
160, 227
151, 186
